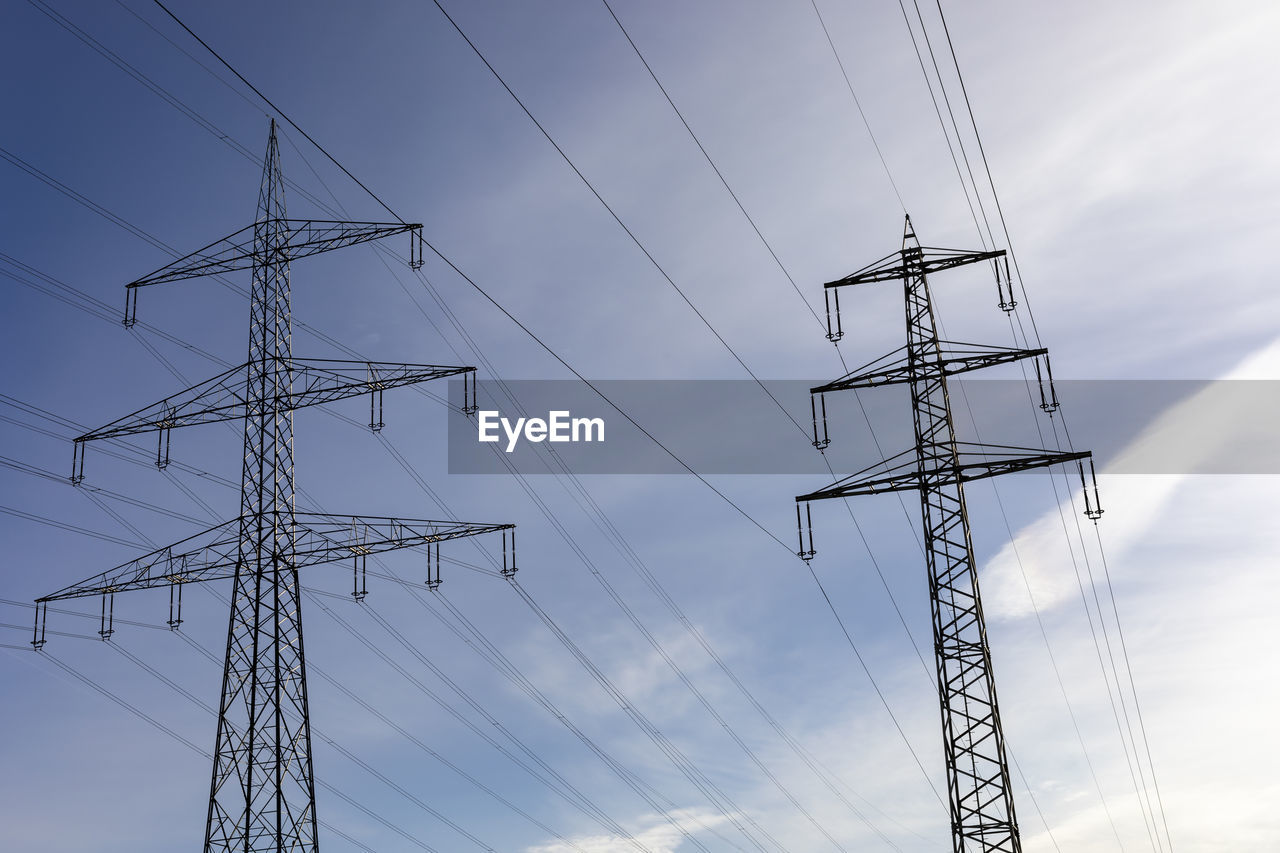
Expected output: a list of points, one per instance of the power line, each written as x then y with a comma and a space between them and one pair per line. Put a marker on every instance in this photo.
979, 787
693, 774
239, 94
400, 458
333, 743
1022, 286
552, 780
40, 519
330, 156
711, 162
987, 167
664, 596
884, 701
1133, 688
938, 112
1013, 544
158, 355
27, 629
416, 741
279, 111
1031, 316
278, 803
645, 251
1116, 711
653, 583
858, 104
504, 311
648, 635
591, 187
45, 474
524, 328
137, 712
946, 100
555, 355
1141, 781
168, 97
1133, 764
135, 455
62, 610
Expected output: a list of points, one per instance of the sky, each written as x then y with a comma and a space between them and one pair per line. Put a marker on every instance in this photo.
1132, 148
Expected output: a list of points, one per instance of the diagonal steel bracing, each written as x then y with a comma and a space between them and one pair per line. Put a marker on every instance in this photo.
979, 792
262, 792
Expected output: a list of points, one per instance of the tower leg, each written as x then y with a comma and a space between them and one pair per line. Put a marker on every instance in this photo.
980, 794
263, 792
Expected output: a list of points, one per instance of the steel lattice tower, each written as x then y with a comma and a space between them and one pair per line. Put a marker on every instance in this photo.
979, 791
262, 795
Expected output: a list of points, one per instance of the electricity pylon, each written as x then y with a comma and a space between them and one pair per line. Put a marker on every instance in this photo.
979, 791
262, 796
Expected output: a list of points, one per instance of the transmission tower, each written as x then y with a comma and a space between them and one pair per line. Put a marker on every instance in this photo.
262, 796
979, 791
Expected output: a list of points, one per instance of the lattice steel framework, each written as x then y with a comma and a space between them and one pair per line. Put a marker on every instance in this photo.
262, 795
979, 791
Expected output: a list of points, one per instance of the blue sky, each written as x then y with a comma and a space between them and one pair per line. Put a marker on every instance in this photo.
1131, 145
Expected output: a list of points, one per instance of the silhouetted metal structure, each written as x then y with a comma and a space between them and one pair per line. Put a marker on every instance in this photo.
981, 799
262, 797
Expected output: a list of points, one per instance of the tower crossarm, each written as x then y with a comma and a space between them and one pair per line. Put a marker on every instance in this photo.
974, 462
311, 381
208, 555
324, 379
296, 238
317, 538
323, 538
218, 399
913, 260
953, 357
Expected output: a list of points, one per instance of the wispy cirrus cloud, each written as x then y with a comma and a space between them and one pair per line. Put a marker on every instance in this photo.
658, 834
1034, 570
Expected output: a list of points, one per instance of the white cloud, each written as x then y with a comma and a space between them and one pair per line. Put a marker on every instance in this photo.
1194, 598
1137, 503
659, 835
1191, 566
